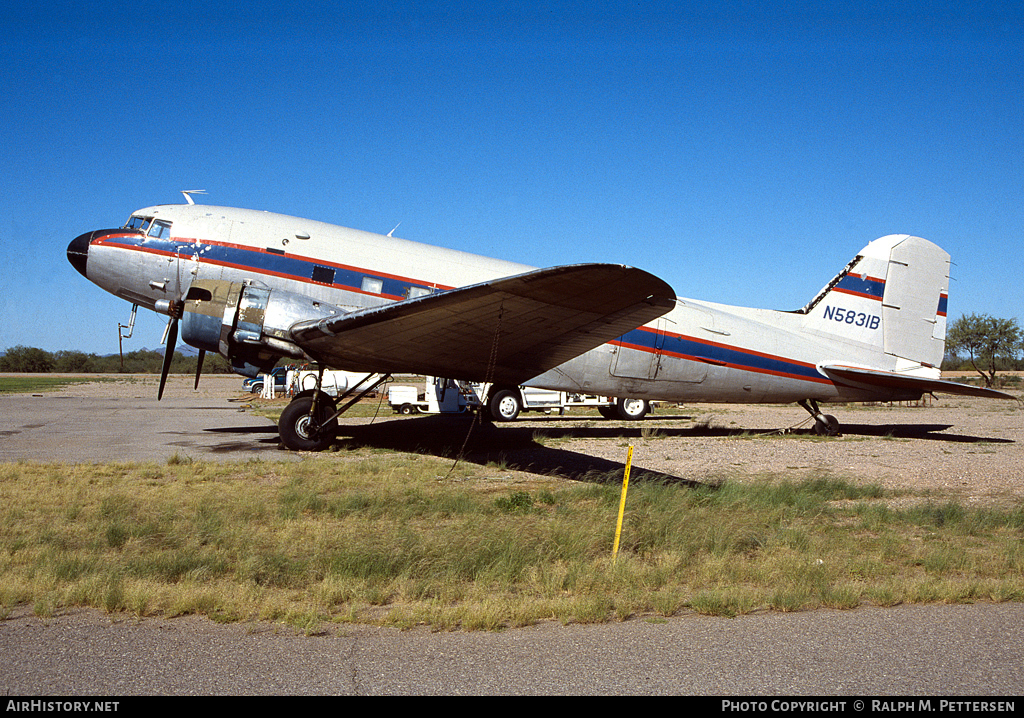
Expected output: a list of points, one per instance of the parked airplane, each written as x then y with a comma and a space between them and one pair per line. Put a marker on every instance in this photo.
256, 286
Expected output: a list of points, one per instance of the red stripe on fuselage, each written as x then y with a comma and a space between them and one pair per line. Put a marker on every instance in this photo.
106, 241
730, 365
315, 260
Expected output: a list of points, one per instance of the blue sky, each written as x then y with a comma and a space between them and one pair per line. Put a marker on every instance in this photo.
742, 151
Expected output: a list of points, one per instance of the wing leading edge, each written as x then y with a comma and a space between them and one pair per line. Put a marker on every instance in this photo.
903, 383
505, 330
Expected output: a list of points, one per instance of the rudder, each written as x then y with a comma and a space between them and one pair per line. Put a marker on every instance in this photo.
914, 303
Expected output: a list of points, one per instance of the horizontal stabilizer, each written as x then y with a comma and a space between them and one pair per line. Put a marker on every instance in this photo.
506, 330
905, 383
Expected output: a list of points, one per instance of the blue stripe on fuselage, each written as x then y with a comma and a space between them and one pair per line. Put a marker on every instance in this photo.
264, 262
688, 348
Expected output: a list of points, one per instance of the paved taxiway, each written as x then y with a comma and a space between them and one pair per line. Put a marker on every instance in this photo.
908, 650
59, 427
934, 650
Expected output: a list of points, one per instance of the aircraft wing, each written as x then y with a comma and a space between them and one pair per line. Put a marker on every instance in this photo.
505, 330
874, 378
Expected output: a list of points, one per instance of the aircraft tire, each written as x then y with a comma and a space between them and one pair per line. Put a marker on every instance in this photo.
826, 425
298, 430
609, 411
632, 409
505, 405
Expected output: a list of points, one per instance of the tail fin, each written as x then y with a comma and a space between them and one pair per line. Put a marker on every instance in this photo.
891, 297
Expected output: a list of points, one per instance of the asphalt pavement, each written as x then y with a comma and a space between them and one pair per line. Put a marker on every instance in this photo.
69, 428
943, 651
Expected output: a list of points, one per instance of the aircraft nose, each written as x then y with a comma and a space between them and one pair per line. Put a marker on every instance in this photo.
78, 252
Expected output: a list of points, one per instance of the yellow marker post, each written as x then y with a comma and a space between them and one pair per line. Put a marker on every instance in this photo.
622, 503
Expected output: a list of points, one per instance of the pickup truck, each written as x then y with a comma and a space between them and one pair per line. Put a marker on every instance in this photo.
255, 385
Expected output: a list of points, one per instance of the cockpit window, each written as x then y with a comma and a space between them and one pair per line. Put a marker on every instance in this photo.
139, 223
160, 230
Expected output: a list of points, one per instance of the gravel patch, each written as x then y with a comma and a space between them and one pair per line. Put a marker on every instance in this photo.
970, 448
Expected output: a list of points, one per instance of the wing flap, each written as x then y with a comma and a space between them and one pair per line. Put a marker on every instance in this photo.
505, 330
875, 378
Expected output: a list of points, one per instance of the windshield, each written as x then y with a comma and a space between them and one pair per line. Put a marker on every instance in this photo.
139, 223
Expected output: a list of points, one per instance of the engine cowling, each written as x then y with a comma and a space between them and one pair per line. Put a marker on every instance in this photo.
247, 324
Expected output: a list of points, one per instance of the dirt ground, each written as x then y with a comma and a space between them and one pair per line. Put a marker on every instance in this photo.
973, 448
963, 446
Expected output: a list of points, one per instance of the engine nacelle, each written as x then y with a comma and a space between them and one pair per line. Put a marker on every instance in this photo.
245, 323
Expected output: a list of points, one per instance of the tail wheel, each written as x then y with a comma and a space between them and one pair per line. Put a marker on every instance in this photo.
505, 405
300, 430
632, 409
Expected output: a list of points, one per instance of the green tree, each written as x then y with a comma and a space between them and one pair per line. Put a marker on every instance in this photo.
987, 341
26, 359
73, 361
22, 359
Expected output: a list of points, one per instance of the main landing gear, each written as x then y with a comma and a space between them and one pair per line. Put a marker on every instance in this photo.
625, 409
824, 424
310, 421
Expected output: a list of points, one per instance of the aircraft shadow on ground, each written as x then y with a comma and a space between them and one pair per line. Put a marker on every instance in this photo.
511, 447
268, 429
664, 425
522, 445
928, 432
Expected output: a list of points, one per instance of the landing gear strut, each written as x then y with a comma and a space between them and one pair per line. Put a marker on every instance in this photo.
310, 421
824, 424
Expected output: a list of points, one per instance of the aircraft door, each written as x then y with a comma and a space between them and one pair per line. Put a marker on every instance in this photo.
635, 354
677, 345
172, 283
185, 255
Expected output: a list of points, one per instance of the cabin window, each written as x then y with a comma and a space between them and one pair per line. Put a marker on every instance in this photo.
372, 285
419, 292
323, 275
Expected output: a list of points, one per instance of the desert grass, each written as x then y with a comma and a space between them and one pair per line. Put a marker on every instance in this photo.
29, 383
404, 540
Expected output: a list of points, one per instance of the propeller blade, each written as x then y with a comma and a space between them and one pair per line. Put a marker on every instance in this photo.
172, 340
199, 367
